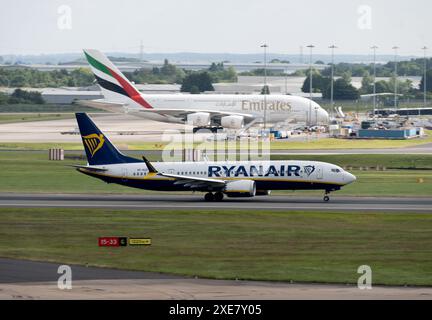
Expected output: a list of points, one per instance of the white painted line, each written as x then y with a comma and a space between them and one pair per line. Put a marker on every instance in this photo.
156, 206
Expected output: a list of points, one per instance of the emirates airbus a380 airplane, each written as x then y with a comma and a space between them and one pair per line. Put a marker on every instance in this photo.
200, 110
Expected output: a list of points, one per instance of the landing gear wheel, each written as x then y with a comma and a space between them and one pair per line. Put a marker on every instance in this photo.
209, 196
326, 198
218, 196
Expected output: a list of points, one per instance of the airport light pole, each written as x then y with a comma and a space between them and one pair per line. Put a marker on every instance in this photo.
265, 46
424, 75
332, 47
301, 54
395, 48
311, 46
374, 78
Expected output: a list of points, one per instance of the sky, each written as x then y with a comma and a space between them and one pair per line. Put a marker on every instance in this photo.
218, 26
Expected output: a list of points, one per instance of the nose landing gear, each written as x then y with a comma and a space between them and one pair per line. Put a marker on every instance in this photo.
326, 197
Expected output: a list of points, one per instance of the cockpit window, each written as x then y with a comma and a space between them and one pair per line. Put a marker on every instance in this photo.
335, 170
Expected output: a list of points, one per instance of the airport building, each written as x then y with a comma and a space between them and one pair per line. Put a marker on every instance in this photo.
404, 112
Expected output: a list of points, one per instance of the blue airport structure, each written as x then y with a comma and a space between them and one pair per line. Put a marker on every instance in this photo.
388, 134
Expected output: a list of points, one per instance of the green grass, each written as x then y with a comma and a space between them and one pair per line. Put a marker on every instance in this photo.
312, 144
31, 172
26, 117
333, 143
282, 246
72, 146
27, 108
394, 161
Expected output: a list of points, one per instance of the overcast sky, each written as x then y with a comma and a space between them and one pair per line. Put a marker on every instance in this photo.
235, 26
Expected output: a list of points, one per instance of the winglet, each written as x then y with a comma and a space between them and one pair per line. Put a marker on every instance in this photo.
149, 166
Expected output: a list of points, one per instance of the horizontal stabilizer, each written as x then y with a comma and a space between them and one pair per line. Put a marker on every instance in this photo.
89, 168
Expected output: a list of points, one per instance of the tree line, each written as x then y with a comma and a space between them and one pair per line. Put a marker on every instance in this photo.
199, 81
27, 77
344, 90
413, 67
20, 96
192, 81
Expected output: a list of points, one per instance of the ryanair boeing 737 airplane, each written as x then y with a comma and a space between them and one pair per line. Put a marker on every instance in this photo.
216, 179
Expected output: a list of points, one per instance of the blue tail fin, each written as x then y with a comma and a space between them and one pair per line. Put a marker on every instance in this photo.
98, 148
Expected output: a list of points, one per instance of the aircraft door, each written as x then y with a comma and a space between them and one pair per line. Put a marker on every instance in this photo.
124, 174
319, 172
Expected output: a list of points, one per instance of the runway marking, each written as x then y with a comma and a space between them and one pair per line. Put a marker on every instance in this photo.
228, 206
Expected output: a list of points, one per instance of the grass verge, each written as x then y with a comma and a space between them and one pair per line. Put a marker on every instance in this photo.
26, 117
312, 144
283, 246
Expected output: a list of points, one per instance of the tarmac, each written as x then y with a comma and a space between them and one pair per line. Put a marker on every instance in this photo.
195, 201
24, 280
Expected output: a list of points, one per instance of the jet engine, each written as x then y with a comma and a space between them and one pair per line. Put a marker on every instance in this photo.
232, 122
240, 188
199, 119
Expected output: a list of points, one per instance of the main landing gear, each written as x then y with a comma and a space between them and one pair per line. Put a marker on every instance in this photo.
218, 196
326, 197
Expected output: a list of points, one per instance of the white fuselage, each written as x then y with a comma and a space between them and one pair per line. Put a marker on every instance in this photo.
269, 108
268, 175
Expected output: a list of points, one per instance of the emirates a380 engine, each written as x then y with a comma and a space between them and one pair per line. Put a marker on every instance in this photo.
240, 188
232, 122
199, 119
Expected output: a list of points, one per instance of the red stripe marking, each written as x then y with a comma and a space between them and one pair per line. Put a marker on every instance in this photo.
131, 91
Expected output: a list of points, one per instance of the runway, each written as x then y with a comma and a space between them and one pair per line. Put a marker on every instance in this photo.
196, 202
21, 279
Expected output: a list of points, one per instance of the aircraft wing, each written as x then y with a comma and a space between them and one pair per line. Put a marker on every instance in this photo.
194, 182
181, 114
187, 181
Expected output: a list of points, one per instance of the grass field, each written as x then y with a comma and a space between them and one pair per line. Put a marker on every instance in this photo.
50, 108
394, 161
283, 246
26, 117
312, 144
32, 172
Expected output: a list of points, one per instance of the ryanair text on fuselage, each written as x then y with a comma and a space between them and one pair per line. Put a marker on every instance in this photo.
258, 171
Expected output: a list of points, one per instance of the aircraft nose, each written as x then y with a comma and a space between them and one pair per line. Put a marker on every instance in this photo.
350, 178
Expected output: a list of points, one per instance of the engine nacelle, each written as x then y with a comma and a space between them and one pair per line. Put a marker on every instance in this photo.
263, 192
199, 119
240, 188
232, 122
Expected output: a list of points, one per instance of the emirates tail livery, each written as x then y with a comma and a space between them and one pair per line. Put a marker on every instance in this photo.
200, 110
216, 179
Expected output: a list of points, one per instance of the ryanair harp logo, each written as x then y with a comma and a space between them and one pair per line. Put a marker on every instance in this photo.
309, 170
93, 142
